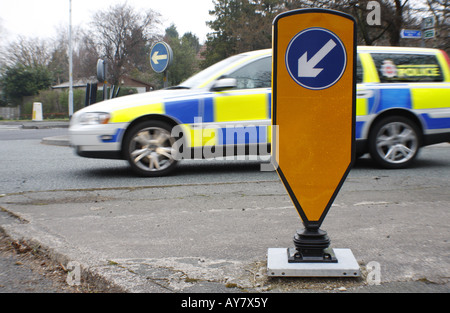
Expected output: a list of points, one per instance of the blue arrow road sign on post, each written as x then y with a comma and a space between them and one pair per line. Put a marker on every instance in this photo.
316, 58
160, 57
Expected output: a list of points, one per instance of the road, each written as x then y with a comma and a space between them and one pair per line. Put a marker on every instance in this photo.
208, 227
36, 167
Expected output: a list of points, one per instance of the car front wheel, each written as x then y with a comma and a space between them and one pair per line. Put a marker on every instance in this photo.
150, 148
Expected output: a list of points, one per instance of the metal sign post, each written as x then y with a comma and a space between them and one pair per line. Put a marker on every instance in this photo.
313, 106
70, 62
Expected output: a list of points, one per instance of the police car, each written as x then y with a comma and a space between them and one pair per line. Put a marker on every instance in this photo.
402, 104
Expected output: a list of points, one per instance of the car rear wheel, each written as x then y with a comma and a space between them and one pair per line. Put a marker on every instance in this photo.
150, 148
394, 142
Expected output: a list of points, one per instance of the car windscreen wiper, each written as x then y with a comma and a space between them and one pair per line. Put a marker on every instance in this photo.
178, 87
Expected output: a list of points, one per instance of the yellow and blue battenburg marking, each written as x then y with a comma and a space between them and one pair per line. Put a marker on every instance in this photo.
225, 118
243, 116
430, 101
423, 99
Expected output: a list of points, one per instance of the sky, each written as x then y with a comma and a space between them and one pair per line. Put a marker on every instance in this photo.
42, 18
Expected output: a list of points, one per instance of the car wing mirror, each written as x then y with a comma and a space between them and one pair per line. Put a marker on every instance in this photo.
224, 84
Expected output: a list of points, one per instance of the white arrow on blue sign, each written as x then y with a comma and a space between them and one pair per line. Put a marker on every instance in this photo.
411, 33
316, 58
160, 57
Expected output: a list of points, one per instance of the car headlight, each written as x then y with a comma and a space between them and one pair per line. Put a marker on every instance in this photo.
94, 118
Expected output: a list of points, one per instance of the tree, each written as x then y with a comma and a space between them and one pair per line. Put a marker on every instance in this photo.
242, 25
440, 10
185, 50
58, 64
19, 81
122, 35
25, 70
85, 56
234, 20
394, 15
28, 52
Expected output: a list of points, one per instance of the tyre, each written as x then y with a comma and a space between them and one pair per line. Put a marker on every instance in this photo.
394, 142
150, 149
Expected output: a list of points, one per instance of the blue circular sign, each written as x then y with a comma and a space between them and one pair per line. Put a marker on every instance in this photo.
316, 58
160, 57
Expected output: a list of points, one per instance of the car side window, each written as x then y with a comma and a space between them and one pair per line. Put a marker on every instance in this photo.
396, 68
257, 74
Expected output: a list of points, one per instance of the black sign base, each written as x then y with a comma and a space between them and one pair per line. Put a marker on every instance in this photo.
311, 246
328, 256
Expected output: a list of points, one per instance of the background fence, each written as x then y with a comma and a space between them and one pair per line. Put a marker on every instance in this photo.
9, 113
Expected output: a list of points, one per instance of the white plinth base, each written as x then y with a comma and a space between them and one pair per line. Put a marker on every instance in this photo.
278, 265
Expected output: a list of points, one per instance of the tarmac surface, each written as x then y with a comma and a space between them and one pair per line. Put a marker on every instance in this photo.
29, 269
120, 264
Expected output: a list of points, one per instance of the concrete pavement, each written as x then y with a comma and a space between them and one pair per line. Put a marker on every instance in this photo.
214, 237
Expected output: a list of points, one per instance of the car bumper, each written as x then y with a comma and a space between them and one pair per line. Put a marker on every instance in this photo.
100, 141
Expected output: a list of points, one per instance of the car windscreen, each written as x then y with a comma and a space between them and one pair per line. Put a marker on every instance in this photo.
201, 78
